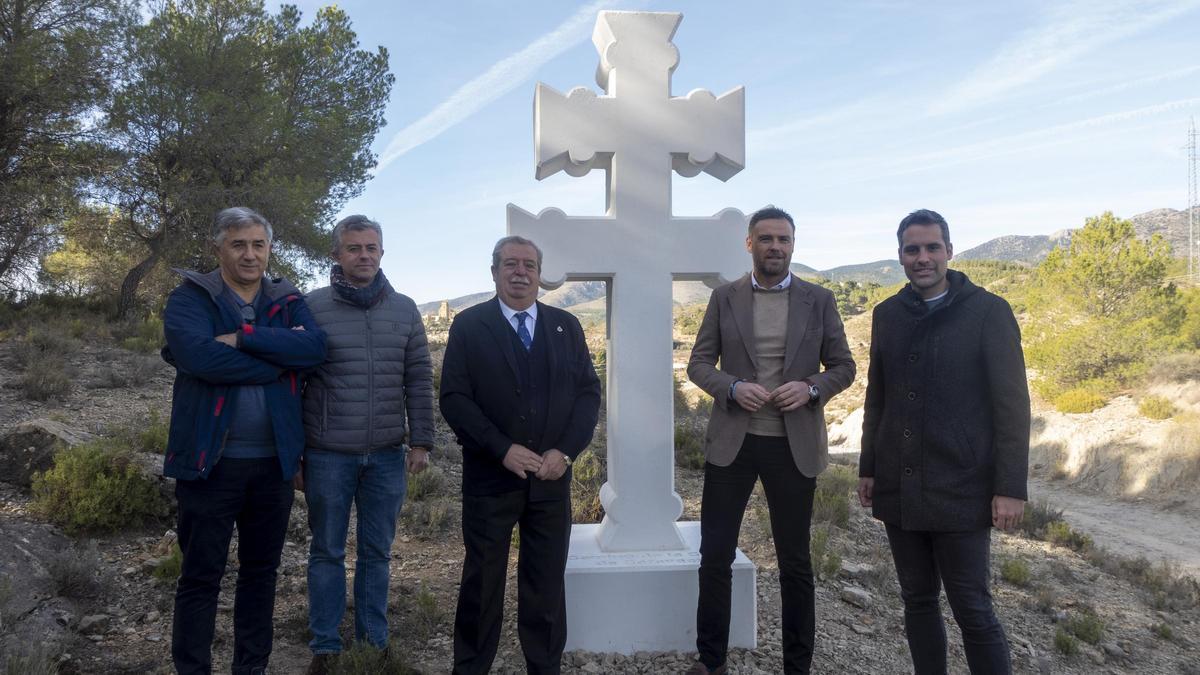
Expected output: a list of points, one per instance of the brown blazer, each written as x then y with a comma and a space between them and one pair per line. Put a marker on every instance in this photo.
815, 337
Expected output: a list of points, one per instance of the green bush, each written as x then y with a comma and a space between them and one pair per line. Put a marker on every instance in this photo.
427, 519
1079, 401
30, 660
1015, 571
150, 436
168, 568
826, 562
587, 476
831, 502
44, 381
73, 571
1059, 532
689, 446
144, 337
1065, 643
1086, 626
363, 659
97, 487
428, 483
1039, 514
42, 344
1156, 408
1163, 631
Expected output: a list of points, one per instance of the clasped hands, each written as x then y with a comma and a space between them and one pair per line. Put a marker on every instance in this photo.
787, 397
521, 461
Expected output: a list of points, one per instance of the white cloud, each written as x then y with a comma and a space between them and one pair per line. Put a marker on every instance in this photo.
501, 78
1072, 30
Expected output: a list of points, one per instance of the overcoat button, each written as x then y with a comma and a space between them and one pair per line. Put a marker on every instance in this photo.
907, 471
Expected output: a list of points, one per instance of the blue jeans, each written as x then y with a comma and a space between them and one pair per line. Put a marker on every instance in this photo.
375, 482
926, 561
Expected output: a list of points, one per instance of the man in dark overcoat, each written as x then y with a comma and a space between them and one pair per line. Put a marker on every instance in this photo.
520, 393
945, 446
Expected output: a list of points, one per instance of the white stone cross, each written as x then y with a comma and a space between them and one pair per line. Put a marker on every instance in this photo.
638, 133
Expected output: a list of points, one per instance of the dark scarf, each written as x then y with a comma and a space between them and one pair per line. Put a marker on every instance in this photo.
363, 297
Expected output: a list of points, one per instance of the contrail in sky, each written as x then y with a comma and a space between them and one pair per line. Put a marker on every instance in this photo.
497, 81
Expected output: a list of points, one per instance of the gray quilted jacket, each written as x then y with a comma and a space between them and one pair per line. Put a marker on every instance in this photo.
375, 389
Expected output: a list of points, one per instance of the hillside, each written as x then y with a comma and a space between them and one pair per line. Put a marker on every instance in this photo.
1031, 249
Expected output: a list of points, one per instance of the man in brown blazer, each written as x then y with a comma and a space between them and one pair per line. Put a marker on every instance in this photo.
759, 354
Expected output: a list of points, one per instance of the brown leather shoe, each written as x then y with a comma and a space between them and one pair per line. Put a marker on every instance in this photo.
321, 664
698, 668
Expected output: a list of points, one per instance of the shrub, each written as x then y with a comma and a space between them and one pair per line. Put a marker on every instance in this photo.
45, 380
6, 593
1079, 401
1086, 626
1163, 631
41, 344
136, 371
689, 446
428, 483
826, 562
831, 502
587, 476
73, 571
1059, 532
426, 519
97, 487
1015, 571
144, 337
149, 436
427, 614
168, 568
1182, 367
363, 659
30, 660
1065, 643
1156, 408
1039, 514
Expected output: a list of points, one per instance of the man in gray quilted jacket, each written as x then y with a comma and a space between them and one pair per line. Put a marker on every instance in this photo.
368, 418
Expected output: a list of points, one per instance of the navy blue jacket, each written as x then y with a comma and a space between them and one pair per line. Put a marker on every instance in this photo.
208, 373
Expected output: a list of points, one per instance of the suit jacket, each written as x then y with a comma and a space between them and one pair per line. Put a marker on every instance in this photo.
481, 390
725, 352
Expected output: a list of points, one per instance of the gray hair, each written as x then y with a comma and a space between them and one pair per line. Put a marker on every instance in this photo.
355, 223
514, 239
235, 218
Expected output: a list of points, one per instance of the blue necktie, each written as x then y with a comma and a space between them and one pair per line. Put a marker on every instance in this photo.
522, 331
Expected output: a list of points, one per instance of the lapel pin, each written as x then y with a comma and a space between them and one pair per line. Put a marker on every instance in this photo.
560, 329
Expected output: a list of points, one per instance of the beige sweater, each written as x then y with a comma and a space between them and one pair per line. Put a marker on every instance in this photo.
770, 340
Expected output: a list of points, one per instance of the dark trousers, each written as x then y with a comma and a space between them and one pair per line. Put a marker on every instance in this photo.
251, 494
545, 532
790, 500
959, 560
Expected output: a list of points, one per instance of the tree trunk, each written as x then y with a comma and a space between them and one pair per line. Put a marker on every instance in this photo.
129, 286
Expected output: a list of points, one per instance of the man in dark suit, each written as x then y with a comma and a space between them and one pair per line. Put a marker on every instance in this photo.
945, 445
519, 390
771, 333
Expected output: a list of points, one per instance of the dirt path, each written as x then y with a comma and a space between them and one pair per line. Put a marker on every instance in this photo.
1129, 528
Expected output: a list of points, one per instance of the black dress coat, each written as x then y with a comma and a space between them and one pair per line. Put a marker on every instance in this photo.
481, 396
946, 418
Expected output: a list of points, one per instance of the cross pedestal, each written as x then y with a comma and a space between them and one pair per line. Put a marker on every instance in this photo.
631, 581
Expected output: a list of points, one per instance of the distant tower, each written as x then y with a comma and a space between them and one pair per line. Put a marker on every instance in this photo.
1193, 203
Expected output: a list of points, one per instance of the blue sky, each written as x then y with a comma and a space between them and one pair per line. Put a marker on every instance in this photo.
1015, 117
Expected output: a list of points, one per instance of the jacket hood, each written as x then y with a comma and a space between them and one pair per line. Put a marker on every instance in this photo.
273, 289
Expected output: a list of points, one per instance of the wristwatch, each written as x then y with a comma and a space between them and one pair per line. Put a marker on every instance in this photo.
814, 392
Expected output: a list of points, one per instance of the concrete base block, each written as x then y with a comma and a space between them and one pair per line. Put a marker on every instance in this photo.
646, 601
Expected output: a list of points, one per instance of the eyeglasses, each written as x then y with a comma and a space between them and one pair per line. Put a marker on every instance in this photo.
248, 314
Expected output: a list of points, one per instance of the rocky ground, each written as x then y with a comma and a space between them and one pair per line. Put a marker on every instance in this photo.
118, 621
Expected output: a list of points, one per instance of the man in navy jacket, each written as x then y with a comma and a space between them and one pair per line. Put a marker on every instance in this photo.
237, 341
